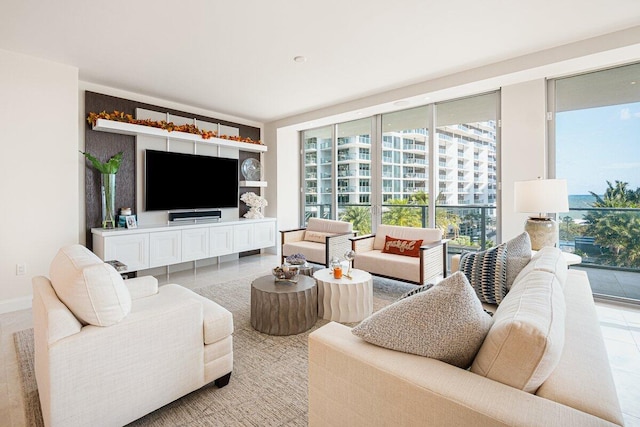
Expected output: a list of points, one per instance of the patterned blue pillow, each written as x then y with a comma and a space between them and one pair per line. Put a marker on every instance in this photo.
487, 273
416, 291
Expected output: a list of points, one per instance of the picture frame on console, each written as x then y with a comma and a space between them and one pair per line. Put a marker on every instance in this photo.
130, 221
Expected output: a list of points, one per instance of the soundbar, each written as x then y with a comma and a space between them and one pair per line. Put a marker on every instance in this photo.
190, 216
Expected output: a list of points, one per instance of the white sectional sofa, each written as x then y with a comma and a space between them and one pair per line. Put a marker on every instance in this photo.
545, 331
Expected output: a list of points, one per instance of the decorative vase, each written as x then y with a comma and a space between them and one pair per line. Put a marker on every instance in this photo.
254, 213
108, 187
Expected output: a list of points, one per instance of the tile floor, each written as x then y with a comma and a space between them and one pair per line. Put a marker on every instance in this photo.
620, 327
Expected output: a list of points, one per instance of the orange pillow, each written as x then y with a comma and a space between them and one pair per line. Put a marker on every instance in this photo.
394, 245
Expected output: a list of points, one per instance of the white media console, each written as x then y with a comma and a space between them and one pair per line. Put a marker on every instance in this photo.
162, 245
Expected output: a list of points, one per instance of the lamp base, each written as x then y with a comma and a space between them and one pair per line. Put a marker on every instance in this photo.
542, 232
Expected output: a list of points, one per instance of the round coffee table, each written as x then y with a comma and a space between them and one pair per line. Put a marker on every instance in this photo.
279, 308
344, 300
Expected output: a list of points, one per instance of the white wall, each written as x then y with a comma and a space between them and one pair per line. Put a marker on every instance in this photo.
38, 170
523, 146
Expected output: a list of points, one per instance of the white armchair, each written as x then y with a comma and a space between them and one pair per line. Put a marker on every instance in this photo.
321, 240
429, 265
109, 351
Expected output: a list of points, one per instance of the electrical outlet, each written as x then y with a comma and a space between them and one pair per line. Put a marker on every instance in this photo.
21, 269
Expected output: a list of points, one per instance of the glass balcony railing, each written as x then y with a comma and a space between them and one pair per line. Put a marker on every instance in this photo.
603, 237
470, 227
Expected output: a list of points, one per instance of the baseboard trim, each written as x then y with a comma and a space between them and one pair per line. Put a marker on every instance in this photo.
15, 304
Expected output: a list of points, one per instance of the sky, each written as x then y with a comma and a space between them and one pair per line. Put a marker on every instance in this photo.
597, 145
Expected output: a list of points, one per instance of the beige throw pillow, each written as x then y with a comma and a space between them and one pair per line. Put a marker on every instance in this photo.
518, 255
446, 322
526, 340
316, 236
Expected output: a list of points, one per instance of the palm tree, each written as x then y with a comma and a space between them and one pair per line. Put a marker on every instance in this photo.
618, 232
360, 217
401, 213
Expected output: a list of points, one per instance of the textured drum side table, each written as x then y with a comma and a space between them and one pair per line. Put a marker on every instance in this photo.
283, 308
344, 300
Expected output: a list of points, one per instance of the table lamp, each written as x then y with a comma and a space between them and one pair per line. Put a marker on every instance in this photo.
541, 196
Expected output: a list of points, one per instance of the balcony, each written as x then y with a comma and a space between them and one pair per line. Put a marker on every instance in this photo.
414, 147
415, 175
414, 161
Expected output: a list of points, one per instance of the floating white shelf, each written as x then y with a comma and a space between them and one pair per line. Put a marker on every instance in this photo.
111, 126
253, 183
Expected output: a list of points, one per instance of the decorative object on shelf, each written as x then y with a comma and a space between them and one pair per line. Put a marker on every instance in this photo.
108, 170
125, 211
542, 196
119, 116
285, 273
350, 255
122, 220
255, 203
108, 192
251, 169
131, 221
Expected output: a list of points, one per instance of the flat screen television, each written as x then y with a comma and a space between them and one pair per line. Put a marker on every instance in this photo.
188, 181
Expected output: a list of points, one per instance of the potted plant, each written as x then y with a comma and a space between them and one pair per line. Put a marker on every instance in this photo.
108, 172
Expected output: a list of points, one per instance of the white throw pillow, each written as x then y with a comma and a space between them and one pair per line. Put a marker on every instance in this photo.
93, 291
446, 322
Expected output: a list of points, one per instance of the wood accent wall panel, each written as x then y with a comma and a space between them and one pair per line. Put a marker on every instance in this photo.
103, 145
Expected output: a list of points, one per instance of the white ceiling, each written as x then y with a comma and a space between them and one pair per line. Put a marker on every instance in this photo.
236, 57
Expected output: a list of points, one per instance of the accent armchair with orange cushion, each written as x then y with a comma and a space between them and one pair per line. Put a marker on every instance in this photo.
321, 240
410, 254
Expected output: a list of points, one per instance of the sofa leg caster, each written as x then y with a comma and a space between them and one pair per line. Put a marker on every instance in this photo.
223, 381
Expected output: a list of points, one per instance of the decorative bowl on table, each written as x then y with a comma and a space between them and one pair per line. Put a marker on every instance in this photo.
285, 273
296, 259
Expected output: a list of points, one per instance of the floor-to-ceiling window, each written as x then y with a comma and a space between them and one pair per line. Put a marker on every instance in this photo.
392, 169
596, 135
467, 172
354, 173
405, 167
317, 152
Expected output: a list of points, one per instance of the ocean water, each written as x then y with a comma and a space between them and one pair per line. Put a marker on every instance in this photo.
580, 201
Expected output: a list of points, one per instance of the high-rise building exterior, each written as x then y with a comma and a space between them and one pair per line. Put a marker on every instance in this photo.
466, 166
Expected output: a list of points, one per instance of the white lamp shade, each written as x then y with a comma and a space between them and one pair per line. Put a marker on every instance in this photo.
541, 195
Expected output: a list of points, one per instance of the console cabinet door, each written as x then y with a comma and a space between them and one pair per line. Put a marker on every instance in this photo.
132, 250
195, 244
165, 248
243, 238
220, 240
264, 235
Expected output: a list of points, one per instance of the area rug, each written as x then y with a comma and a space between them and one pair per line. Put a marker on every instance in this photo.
268, 385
